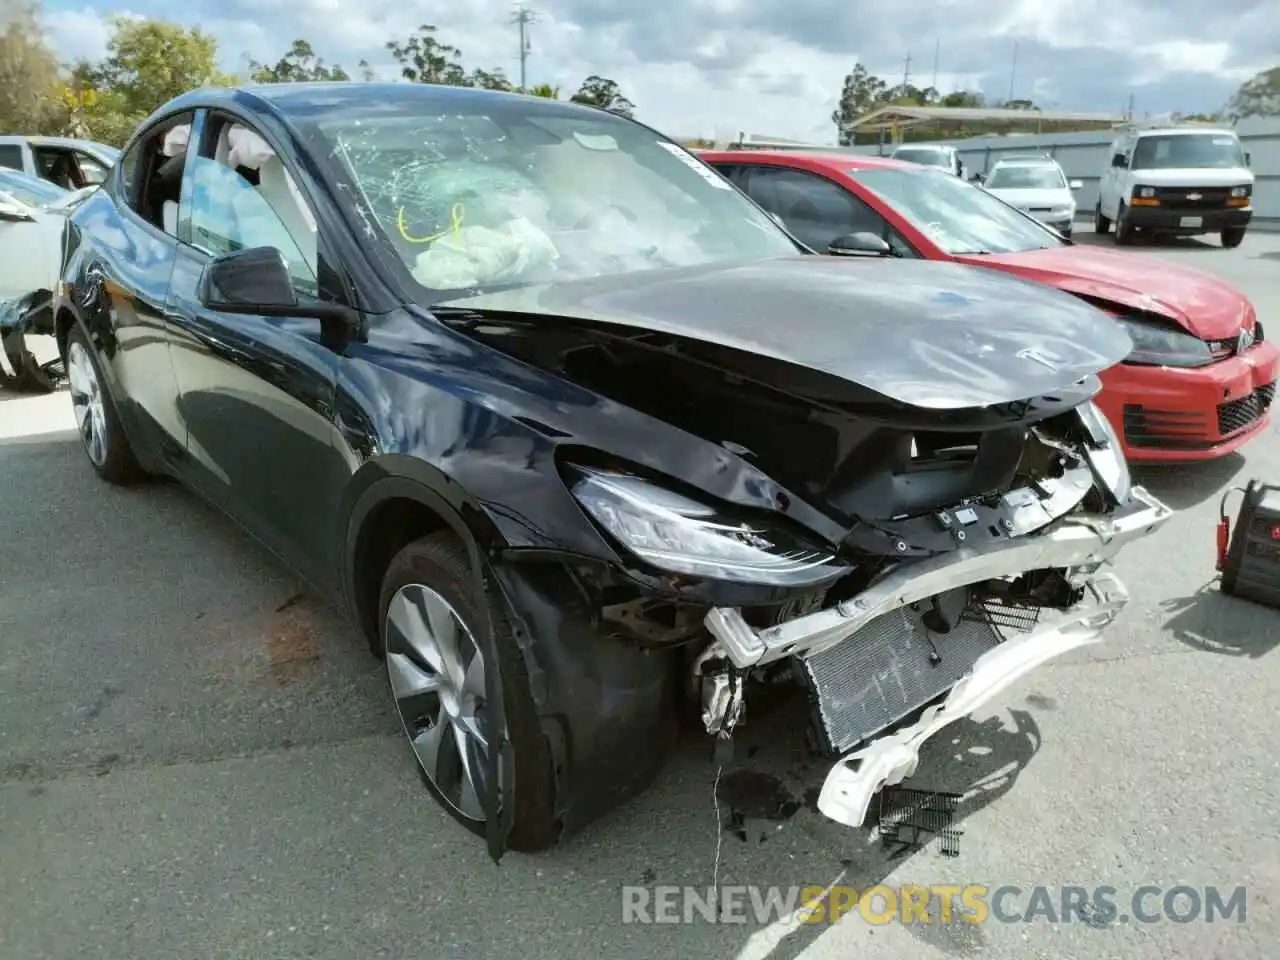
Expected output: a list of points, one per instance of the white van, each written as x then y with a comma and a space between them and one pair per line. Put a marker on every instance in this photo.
1179, 180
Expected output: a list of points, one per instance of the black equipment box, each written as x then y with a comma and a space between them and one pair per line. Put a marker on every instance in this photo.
1249, 556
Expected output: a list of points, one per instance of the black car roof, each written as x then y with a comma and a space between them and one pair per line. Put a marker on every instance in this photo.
303, 102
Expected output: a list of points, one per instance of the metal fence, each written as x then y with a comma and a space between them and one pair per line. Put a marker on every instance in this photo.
1084, 157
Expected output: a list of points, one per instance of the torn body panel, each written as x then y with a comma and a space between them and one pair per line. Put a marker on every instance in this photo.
928, 516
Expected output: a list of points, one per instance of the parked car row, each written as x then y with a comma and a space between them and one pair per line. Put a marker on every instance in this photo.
1174, 181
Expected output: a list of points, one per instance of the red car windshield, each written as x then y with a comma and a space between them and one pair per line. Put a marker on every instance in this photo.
959, 217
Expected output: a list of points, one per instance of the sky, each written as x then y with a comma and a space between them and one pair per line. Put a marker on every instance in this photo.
713, 68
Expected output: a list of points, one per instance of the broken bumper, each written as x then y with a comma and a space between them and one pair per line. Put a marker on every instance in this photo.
1080, 542
858, 777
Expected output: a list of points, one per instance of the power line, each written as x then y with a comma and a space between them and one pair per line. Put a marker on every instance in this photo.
1013, 70
523, 17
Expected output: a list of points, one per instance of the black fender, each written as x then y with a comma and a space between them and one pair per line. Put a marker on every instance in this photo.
606, 708
425, 484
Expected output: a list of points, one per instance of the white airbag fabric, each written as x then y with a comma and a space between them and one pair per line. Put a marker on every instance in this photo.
477, 255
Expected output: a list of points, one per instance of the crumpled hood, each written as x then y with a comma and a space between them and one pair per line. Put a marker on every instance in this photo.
1198, 301
928, 334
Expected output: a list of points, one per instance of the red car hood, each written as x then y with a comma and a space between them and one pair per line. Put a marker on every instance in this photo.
1198, 301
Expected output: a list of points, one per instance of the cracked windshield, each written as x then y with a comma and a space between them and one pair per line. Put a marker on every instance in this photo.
516, 195
700, 480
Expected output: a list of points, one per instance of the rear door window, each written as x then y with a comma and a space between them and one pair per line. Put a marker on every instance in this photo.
11, 156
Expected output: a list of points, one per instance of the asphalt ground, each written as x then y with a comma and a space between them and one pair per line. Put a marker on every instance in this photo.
198, 761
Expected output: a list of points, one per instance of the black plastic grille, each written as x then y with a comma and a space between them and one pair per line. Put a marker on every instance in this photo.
1237, 414
1165, 429
1206, 198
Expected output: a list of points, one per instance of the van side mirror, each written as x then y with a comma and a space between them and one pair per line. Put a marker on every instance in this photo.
1119, 161
1248, 160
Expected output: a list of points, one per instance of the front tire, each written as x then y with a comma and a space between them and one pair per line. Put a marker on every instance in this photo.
1124, 229
1232, 237
97, 420
430, 621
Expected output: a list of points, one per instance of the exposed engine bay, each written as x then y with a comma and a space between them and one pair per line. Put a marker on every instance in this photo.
972, 549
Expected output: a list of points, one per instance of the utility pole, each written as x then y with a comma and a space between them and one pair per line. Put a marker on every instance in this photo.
937, 45
1013, 70
1129, 112
522, 16
906, 72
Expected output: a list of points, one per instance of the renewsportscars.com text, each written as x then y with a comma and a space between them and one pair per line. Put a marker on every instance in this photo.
937, 903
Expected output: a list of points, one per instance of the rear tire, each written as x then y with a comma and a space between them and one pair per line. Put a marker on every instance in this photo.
1232, 237
1124, 229
1101, 224
97, 420
433, 589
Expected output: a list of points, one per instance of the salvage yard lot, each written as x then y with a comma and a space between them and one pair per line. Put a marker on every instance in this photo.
197, 760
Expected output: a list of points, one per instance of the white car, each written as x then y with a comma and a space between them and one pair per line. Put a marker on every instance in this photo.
1177, 180
1038, 187
68, 162
33, 213
930, 155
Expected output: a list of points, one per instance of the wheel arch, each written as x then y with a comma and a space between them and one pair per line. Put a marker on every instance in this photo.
394, 500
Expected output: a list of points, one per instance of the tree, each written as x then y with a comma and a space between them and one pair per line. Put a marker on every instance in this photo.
544, 90
604, 93
489, 79
1257, 97
964, 98
148, 63
299, 64
862, 93
424, 59
30, 101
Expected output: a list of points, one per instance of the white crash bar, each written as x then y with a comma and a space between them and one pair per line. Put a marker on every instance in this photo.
1080, 540
858, 777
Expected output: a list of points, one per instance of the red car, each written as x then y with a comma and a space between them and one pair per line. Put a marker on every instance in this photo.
1201, 377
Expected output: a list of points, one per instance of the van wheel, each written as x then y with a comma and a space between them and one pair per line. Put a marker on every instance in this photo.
1124, 229
1100, 223
1232, 237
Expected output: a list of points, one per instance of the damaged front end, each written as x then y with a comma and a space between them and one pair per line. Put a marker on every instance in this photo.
971, 557
942, 608
901, 514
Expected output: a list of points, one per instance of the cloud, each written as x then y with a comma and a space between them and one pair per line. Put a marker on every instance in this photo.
710, 67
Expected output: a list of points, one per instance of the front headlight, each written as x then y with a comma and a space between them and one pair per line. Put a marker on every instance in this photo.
1159, 345
1241, 191
1144, 191
680, 535
1104, 452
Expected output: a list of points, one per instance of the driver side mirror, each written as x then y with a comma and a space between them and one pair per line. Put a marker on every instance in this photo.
859, 244
256, 281
978, 178
1247, 160
1119, 160
14, 210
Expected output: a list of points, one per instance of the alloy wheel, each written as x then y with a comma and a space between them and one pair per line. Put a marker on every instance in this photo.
438, 679
87, 403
